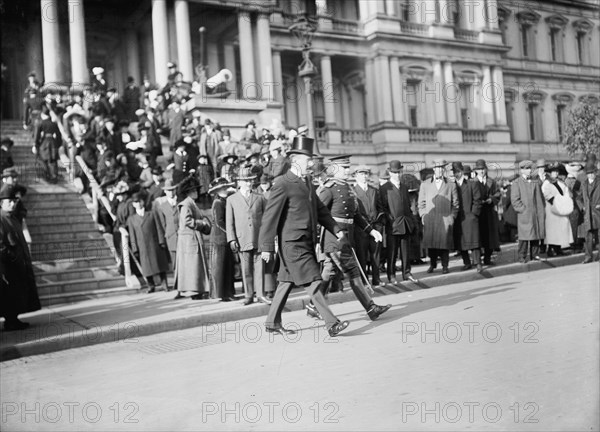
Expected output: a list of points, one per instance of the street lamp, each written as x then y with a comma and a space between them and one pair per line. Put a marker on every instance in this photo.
304, 28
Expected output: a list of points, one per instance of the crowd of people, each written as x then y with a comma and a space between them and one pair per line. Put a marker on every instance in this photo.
253, 203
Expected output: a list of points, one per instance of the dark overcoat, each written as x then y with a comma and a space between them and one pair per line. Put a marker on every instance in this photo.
292, 213
167, 222
528, 201
144, 240
466, 226
222, 262
438, 210
489, 224
191, 273
18, 290
47, 140
396, 206
588, 202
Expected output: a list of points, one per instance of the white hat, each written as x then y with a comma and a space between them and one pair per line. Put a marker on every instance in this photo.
97, 70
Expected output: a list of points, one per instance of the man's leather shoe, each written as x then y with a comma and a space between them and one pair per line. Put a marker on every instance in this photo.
312, 311
264, 300
467, 267
430, 269
410, 277
280, 330
445, 270
586, 261
337, 328
479, 268
248, 301
196, 297
375, 311
151, 290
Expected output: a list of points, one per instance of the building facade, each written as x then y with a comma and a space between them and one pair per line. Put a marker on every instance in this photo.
413, 80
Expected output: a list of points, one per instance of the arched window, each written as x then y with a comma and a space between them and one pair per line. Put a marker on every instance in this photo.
556, 34
534, 102
528, 21
583, 30
563, 102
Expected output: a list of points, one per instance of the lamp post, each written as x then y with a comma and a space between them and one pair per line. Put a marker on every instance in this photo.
304, 28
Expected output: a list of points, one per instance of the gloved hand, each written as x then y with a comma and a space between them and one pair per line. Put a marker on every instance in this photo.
235, 247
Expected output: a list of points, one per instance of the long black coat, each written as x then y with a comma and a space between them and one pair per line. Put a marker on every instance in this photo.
292, 213
18, 291
589, 199
489, 225
396, 206
466, 225
144, 239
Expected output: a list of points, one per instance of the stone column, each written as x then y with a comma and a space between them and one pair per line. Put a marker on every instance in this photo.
229, 58
397, 93
371, 96
466, 14
479, 14
445, 12
499, 102
160, 41
263, 34
79, 69
184, 39
487, 97
246, 55
133, 55
277, 76
438, 101
492, 15
450, 94
51, 41
327, 81
384, 96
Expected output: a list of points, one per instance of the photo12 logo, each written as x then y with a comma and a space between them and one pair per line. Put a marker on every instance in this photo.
471, 412
471, 332
71, 412
270, 412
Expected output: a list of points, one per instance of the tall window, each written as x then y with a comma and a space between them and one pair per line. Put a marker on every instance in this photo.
413, 111
583, 28
525, 39
528, 21
560, 118
554, 44
531, 117
581, 47
464, 106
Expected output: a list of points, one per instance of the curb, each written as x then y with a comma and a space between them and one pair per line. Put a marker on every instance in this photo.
127, 332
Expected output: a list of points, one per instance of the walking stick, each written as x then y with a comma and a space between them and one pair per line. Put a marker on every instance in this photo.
362, 273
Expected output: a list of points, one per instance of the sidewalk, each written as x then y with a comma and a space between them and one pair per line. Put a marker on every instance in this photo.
125, 318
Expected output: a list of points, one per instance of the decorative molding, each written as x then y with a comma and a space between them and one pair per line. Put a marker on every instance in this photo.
535, 96
563, 98
415, 73
468, 76
583, 25
594, 98
503, 13
528, 17
355, 80
557, 22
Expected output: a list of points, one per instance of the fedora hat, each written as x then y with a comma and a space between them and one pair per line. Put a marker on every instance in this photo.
590, 167
480, 164
245, 173
170, 185
440, 163
219, 183
457, 166
395, 166
302, 145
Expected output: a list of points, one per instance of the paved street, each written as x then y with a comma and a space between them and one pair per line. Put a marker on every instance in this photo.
518, 352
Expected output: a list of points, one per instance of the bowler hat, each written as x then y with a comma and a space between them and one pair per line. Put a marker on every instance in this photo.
385, 175
395, 166
480, 164
302, 145
457, 166
219, 183
245, 173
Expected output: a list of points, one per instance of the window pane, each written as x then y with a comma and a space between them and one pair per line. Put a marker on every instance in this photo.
531, 114
525, 42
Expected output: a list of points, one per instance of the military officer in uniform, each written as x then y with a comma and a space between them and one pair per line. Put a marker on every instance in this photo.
340, 198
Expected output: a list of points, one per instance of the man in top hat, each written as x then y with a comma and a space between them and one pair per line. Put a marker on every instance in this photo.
339, 197
398, 220
589, 203
167, 219
292, 214
489, 230
528, 201
466, 226
244, 213
367, 249
438, 208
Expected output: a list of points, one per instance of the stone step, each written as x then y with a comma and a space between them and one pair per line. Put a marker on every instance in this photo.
67, 201
42, 237
74, 297
96, 273
69, 249
80, 285
61, 227
61, 218
58, 212
72, 264
55, 196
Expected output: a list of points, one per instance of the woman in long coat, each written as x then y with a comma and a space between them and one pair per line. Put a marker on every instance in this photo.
18, 291
558, 228
145, 243
438, 209
191, 273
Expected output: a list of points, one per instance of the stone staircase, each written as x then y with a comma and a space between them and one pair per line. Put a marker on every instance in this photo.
71, 258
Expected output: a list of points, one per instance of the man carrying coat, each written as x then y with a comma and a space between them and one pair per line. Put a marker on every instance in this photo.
466, 226
292, 214
438, 207
243, 217
589, 202
528, 201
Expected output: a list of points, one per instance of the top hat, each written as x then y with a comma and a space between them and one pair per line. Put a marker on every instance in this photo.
219, 183
97, 70
245, 173
363, 169
343, 160
525, 164
480, 164
9, 172
458, 166
302, 145
395, 166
